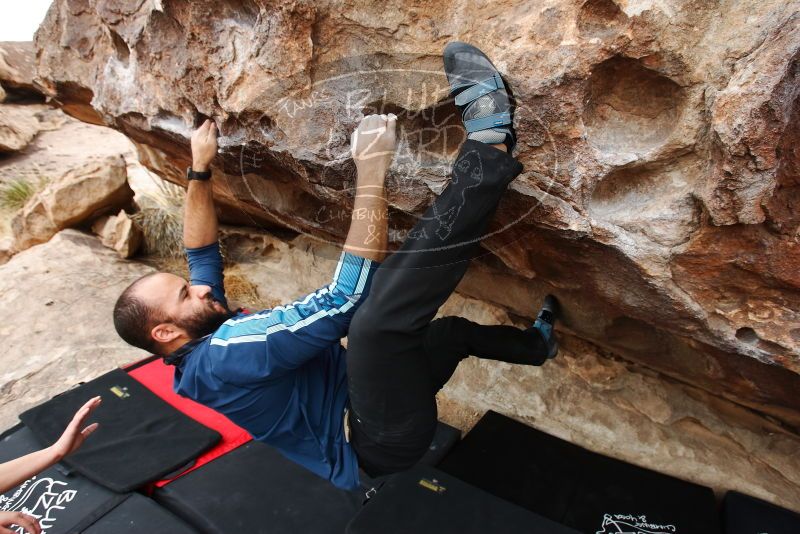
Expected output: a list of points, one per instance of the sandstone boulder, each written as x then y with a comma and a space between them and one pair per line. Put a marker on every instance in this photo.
80, 195
18, 127
18, 66
119, 233
57, 328
659, 143
6, 249
2, 94
20, 124
63, 143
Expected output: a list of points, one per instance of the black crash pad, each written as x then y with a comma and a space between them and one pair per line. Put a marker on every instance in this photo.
138, 514
141, 438
742, 514
256, 489
425, 500
59, 501
571, 485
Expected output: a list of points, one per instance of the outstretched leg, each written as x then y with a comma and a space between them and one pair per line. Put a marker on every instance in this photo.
451, 339
389, 377
390, 384
415, 281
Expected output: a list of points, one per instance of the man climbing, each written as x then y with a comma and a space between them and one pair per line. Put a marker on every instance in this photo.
282, 373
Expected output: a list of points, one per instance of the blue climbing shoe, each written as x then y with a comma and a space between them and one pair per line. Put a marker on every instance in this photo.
545, 322
480, 94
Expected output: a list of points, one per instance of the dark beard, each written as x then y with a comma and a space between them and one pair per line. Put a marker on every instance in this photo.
205, 322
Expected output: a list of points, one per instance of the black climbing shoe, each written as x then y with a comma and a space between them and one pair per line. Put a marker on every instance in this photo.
545, 322
480, 94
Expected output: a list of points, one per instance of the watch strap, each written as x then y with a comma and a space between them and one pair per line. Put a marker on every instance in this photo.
196, 175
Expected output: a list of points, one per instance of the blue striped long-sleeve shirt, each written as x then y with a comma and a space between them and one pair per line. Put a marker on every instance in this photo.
281, 373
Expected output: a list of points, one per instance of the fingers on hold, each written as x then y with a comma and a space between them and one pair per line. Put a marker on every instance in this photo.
371, 120
89, 429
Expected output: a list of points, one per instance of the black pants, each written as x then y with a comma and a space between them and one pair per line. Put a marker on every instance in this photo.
397, 359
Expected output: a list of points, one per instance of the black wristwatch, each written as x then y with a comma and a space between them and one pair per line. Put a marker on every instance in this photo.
194, 175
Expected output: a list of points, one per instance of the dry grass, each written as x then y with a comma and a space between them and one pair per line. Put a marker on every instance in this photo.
243, 292
174, 265
161, 219
15, 193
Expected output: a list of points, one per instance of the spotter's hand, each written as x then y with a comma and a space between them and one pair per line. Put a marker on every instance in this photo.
28, 524
373, 144
75, 433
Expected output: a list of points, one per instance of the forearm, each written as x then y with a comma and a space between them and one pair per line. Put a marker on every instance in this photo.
368, 234
200, 227
15, 472
199, 218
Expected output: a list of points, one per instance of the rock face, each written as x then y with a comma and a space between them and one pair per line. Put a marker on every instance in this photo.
80, 195
660, 144
57, 328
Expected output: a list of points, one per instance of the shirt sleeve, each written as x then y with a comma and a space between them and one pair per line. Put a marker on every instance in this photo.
293, 334
205, 269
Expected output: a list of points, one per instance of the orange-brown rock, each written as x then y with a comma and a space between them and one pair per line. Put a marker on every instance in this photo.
660, 144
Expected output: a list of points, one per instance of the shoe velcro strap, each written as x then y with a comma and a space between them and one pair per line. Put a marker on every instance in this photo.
547, 316
479, 89
490, 121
